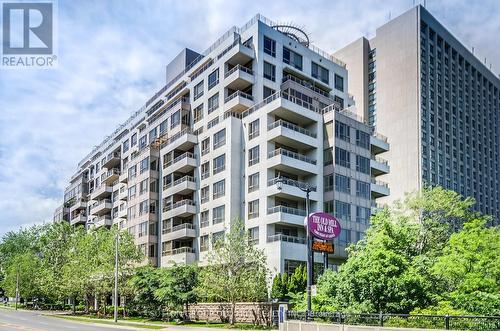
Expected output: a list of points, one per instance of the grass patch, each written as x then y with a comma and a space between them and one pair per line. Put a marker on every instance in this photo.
108, 322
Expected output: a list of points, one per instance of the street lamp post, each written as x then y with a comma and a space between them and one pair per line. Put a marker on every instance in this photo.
117, 243
307, 188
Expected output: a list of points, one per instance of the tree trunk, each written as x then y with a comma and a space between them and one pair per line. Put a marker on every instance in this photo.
233, 312
73, 299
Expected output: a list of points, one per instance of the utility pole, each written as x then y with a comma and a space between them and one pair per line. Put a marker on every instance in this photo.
309, 264
117, 243
17, 286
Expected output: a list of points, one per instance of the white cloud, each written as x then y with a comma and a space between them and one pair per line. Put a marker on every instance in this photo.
112, 58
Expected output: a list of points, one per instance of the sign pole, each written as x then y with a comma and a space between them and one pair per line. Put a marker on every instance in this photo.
309, 258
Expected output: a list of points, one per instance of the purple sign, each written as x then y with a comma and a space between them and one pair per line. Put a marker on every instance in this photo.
324, 226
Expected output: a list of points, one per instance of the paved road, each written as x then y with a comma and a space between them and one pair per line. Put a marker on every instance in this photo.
11, 320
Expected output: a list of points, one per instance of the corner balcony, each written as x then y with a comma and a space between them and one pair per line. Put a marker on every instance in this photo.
290, 189
378, 143
291, 162
105, 221
181, 208
123, 177
112, 160
238, 78
181, 231
79, 204
379, 188
285, 215
181, 186
78, 219
379, 166
183, 140
102, 191
238, 102
182, 163
237, 53
102, 207
123, 194
112, 175
292, 135
183, 255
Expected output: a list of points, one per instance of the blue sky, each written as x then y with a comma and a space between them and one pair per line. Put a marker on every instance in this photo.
112, 57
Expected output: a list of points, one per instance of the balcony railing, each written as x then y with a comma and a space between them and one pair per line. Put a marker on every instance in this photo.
291, 126
181, 203
379, 182
238, 93
113, 155
238, 67
178, 251
379, 159
112, 172
180, 181
178, 227
179, 158
306, 84
283, 237
291, 182
286, 210
177, 136
285, 152
378, 135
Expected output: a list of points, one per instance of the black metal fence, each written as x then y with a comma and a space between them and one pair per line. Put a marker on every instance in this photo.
401, 320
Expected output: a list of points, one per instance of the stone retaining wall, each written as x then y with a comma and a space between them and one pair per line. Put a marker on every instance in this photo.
246, 312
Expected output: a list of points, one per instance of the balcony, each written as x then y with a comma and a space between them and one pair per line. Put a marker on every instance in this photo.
181, 231
123, 194
182, 163
102, 207
181, 208
294, 81
379, 188
105, 221
291, 162
285, 238
79, 204
183, 140
123, 177
113, 159
285, 215
292, 135
181, 186
290, 189
237, 53
379, 166
183, 255
238, 102
376, 207
78, 219
122, 213
239, 78
112, 175
100, 192
378, 143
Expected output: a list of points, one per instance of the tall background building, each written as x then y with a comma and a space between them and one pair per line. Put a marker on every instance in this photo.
235, 133
436, 102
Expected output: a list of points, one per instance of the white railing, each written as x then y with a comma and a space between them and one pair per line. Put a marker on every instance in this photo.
240, 68
286, 210
179, 158
238, 93
291, 126
291, 182
178, 227
176, 251
185, 202
285, 152
283, 237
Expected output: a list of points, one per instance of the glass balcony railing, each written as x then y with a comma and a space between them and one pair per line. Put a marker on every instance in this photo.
293, 155
286, 210
291, 126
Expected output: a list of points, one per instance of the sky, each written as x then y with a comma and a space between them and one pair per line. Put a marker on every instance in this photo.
112, 57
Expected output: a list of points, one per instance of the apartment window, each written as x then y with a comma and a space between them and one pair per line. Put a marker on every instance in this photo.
143, 186
219, 139
253, 182
267, 92
204, 221
362, 139
198, 90
132, 172
217, 237
205, 194
205, 170
345, 237
328, 182
253, 129
219, 164
292, 58
342, 210
133, 139
269, 71
342, 184
363, 215
319, 72
152, 135
213, 103
342, 157
213, 78
125, 146
363, 164
253, 209
269, 46
327, 156
143, 207
131, 192
362, 189
175, 119
253, 235
339, 100
253, 156
143, 229
205, 146
219, 189
143, 141
218, 214
342, 131
144, 165
204, 242
339, 83
198, 113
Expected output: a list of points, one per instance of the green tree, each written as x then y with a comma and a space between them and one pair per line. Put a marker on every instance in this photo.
297, 282
144, 283
236, 270
177, 287
26, 268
